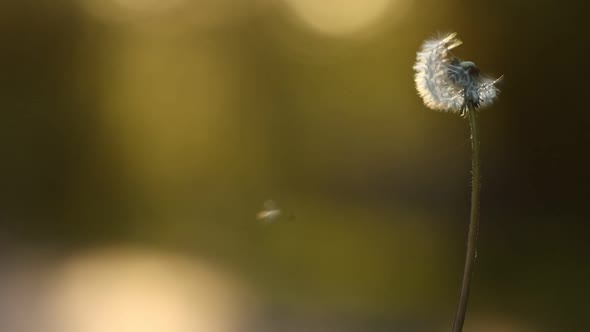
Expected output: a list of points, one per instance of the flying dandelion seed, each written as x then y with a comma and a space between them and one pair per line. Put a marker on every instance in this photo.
270, 213
448, 84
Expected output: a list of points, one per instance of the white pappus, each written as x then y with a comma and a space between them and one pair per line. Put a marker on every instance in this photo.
448, 84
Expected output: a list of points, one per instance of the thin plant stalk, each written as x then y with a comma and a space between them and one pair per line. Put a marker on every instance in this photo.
448, 84
473, 224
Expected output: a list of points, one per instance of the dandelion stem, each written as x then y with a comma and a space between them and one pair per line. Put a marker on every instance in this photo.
473, 224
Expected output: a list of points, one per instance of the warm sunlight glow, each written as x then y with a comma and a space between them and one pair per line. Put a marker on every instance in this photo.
345, 16
137, 291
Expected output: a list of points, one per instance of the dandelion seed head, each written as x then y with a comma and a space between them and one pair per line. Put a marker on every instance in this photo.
447, 84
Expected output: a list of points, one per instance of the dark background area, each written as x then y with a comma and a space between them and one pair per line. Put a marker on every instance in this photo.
169, 128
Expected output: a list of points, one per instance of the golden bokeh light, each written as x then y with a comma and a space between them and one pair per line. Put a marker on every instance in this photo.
138, 290
346, 17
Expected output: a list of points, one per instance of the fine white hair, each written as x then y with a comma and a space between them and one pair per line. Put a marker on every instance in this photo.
445, 83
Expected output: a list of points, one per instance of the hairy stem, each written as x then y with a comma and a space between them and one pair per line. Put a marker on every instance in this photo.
473, 224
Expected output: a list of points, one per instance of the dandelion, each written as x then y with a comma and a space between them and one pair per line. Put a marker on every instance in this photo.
448, 84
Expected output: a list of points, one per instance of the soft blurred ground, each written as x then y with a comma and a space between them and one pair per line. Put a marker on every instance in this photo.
140, 138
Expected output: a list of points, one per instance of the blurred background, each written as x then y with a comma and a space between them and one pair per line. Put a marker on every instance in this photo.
139, 139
